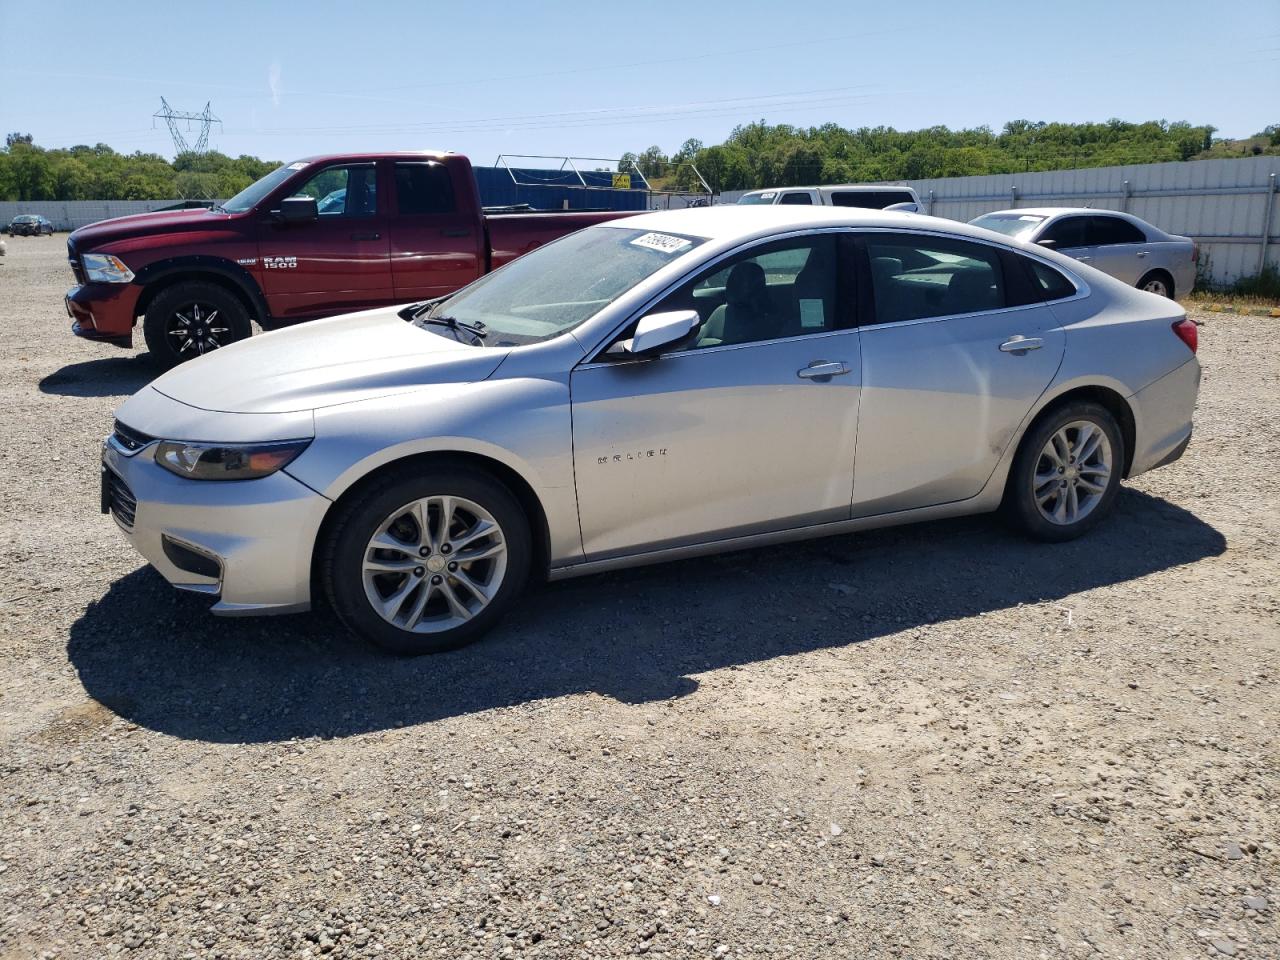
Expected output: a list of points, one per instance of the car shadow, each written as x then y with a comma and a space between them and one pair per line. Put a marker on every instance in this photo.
157, 658
106, 377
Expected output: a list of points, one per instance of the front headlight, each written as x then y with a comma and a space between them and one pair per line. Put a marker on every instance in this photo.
104, 268
227, 461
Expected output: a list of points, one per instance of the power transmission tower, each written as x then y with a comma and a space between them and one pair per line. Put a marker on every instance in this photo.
170, 116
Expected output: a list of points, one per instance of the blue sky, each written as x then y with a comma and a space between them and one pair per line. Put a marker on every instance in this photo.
597, 79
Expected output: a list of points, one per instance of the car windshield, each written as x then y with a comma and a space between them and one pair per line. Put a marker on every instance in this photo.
24, 219
758, 197
1010, 224
249, 197
553, 289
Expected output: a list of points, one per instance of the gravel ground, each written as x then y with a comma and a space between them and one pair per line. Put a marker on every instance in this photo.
932, 742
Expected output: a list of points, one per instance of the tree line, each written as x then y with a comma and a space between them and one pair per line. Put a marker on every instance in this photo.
31, 172
780, 155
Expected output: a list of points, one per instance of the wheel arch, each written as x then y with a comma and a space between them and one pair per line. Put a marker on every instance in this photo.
1104, 396
1166, 275
520, 487
164, 274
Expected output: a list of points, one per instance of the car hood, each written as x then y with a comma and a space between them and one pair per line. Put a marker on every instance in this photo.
145, 225
357, 356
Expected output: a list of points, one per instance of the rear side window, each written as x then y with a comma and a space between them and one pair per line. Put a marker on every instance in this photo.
802, 199
1046, 281
870, 199
1067, 232
423, 188
917, 277
1103, 231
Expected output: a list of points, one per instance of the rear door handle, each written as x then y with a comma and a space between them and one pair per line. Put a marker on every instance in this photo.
456, 232
1084, 259
365, 236
1142, 253
823, 370
1019, 345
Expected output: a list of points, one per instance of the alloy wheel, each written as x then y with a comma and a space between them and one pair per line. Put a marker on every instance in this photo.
196, 327
1072, 472
434, 564
1157, 286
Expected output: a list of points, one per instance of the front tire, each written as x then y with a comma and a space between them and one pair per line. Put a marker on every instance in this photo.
191, 319
1066, 474
427, 560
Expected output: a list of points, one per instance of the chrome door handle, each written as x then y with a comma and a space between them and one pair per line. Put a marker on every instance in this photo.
1084, 259
1142, 253
823, 370
1019, 345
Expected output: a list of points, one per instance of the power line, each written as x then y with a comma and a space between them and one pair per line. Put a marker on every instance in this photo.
172, 117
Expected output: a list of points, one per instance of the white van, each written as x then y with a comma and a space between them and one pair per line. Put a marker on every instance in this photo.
864, 195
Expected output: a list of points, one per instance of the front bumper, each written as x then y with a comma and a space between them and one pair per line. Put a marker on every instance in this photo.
104, 311
253, 539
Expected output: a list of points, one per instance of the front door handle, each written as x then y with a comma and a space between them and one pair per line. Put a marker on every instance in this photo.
456, 232
1019, 345
823, 370
1084, 259
366, 236
1142, 253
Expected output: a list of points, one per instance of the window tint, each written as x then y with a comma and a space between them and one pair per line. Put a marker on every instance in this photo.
343, 191
423, 188
870, 199
1107, 230
917, 277
796, 198
1067, 232
1048, 282
784, 289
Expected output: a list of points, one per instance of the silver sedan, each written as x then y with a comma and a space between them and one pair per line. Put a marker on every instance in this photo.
1118, 244
675, 384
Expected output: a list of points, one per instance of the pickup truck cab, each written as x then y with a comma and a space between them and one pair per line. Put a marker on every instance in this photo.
864, 195
318, 237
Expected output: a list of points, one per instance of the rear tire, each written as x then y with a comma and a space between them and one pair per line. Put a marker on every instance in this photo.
426, 559
190, 319
1066, 474
1157, 282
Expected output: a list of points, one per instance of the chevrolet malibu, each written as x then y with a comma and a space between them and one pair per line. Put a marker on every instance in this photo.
671, 385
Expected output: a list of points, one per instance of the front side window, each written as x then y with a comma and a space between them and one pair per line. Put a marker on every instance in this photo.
917, 277
1105, 231
423, 188
1066, 233
343, 191
783, 289
555, 288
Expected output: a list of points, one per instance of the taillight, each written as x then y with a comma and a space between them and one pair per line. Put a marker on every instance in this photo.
1187, 333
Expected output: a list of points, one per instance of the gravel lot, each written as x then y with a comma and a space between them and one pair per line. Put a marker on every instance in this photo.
940, 741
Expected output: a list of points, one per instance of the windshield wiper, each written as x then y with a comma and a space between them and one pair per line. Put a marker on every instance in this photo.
476, 329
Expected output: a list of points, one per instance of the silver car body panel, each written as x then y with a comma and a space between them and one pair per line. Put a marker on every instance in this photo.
645, 460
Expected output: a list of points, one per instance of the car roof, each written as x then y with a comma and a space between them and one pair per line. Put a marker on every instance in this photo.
867, 187
376, 155
731, 221
1058, 211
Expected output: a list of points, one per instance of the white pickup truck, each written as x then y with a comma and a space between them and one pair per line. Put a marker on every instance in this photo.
864, 195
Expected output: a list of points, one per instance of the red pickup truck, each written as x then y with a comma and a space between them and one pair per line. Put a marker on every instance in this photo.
314, 238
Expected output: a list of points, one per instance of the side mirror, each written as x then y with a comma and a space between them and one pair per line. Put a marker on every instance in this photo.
1047, 243
299, 209
656, 332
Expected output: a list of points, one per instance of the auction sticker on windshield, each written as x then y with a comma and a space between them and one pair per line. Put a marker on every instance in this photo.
662, 242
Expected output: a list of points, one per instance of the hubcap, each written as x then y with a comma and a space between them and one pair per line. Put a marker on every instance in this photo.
465, 561
196, 328
1072, 473
1156, 286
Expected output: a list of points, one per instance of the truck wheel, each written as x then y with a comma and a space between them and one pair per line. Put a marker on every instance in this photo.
426, 560
191, 319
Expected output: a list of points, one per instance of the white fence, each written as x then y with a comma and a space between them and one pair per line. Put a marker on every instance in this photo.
69, 214
1227, 206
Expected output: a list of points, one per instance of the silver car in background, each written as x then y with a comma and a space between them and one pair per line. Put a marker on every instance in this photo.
670, 385
1118, 244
